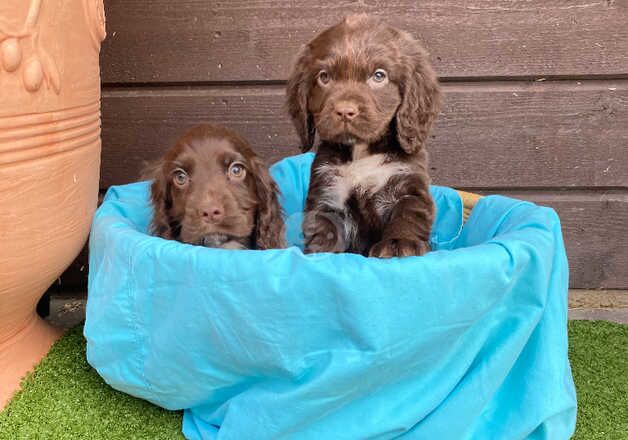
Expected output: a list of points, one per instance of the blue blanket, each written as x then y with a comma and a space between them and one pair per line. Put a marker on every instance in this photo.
466, 342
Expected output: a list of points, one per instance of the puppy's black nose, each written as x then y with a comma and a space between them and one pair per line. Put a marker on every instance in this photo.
346, 110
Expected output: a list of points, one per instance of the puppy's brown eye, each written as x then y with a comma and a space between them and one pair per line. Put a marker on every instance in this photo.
379, 75
323, 78
237, 170
180, 177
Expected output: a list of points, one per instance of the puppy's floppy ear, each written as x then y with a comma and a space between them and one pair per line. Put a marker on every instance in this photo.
269, 224
160, 199
420, 97
297, 91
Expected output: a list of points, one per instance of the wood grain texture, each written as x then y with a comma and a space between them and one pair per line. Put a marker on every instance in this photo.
596, 241
191, 40
594, 229
511, 134
598, 299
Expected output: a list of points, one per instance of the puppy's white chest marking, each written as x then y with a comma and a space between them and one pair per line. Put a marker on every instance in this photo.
360, 151
366, 174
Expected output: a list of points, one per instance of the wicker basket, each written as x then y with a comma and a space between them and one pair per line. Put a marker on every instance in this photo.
468, 202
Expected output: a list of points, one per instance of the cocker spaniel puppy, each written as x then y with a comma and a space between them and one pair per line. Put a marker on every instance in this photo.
370, 93
211, 189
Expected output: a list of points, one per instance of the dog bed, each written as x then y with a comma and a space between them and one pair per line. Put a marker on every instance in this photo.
466, 342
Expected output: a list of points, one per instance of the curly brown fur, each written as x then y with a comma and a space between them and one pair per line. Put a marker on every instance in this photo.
370, 93
211, 189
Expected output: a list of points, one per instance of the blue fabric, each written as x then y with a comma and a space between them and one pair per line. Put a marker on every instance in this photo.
466, 342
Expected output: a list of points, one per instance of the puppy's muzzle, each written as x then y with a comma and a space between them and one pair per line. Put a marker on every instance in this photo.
346, 111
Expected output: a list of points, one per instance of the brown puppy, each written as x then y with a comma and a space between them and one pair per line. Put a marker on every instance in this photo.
211, 189
369, 91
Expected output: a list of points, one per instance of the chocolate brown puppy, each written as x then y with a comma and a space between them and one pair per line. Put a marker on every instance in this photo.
211, 189
370, 93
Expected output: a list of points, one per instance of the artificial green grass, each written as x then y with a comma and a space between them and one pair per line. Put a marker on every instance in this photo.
598, 352
64, 398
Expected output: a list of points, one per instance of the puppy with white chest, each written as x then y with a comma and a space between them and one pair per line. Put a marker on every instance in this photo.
370, 93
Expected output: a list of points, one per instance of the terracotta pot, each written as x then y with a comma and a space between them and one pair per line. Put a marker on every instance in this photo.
49, 162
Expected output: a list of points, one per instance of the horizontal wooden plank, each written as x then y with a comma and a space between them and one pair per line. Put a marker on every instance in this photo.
595, 233
190, 40
67, 309
598, 299
579, 299
594, 229
512, 134
620, 316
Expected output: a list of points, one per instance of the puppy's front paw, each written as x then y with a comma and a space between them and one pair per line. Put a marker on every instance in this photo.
321, 243
399, 248
322, 235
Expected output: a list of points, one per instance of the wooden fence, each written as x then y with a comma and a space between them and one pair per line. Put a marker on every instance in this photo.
536, 98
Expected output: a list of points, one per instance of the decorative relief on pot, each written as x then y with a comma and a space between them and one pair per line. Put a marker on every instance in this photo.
32, 136
21, 48
95, 16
